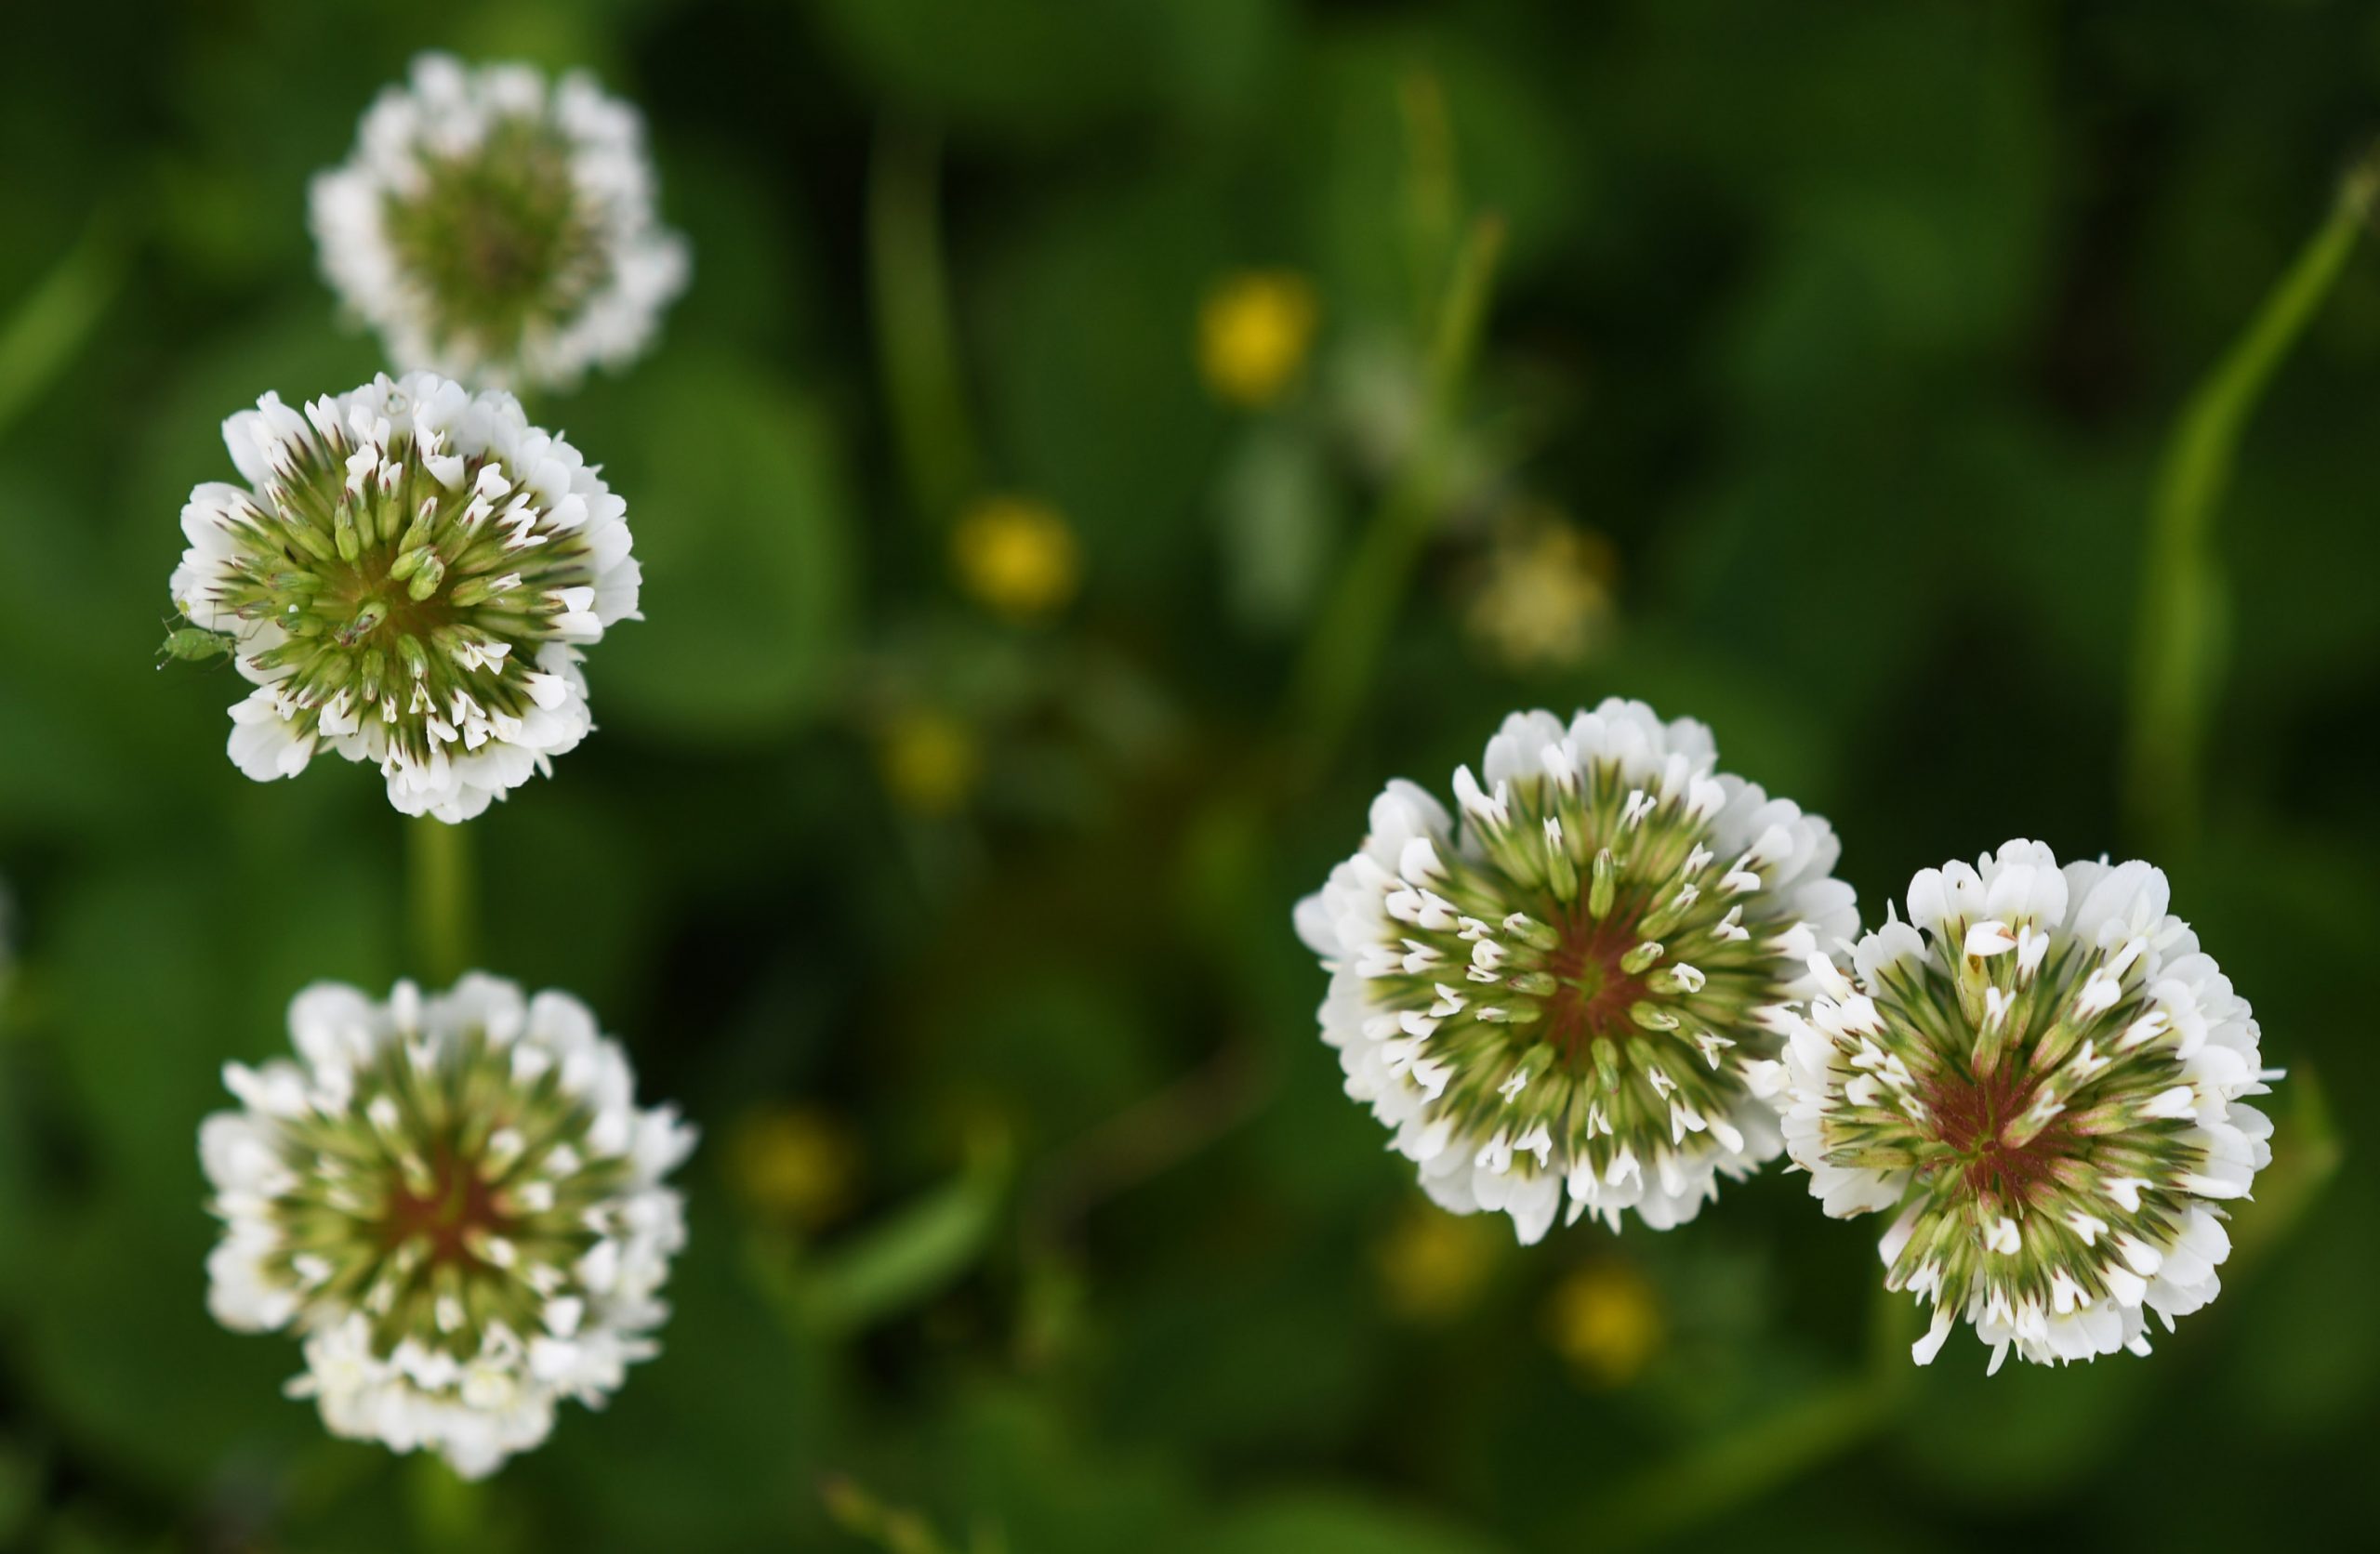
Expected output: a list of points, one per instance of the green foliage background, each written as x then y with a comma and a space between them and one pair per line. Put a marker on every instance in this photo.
1857, 328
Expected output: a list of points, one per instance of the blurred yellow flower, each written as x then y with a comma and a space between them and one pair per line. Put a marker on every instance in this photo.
1433, 1265
1604, 1320
1254, 331
1016, 557
1544, 601
931, 761
794, 1164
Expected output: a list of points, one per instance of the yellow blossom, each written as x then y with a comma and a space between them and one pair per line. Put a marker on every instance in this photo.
1544, 601
1604, 1320
1254, 334
794, 1164
1433, 1265
1016, 557
931, 761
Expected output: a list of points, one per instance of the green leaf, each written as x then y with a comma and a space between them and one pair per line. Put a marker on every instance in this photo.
43, 333
908, 1258
737, 498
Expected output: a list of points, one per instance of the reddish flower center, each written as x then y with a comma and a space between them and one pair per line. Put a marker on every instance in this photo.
1592, 1001
457, 1203
1973, 1117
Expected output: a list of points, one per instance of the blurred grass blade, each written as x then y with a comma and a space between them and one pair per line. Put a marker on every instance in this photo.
2179, 651
2307, 1153
1704, 1484
1433, 196
917, 1253
1162, 1131
46, 331
1345, 651
916, 342
1738, 1467
877, 1523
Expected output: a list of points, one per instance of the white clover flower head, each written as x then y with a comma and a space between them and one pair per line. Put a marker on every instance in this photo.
2043, 1074
1567, 993
497, 229
407, 578
457, 1203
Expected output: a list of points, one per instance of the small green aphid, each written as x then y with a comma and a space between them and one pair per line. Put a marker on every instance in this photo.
192, 644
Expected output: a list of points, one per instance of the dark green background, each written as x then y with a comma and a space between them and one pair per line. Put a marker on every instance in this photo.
1856, 328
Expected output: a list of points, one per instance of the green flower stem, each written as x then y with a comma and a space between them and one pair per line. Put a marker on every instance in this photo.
916, 341
449, 1512
2179, 649
445, 921
49, 326
1344, 651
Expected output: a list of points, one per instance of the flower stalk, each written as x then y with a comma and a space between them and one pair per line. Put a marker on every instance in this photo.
1341, 656
2180, 643
441, 897
916, 340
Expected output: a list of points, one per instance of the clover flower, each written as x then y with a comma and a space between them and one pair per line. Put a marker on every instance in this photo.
407, 577
497, 229
2043, 1072
1567, 993
456, 1202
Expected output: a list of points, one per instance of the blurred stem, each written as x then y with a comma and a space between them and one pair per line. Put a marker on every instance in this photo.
49, 326
450, 1512
2178, 652
916, 343
1143, 1141
1432, 198
1344, 651
438, 858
